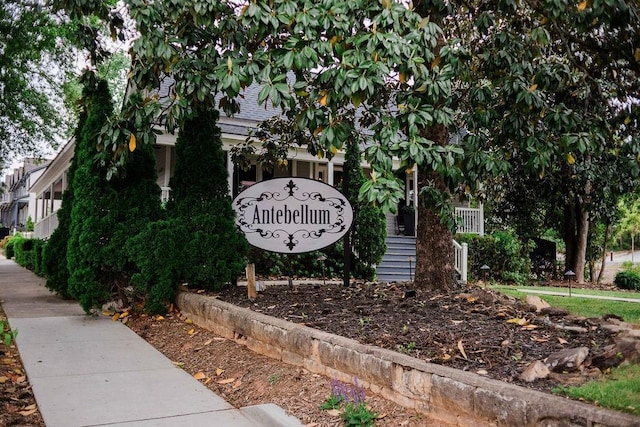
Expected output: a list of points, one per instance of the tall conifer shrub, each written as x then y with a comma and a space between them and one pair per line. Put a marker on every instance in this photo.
214, 250
54, 254
107, 213
369, 231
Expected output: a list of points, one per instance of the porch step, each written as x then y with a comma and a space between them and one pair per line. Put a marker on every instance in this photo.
398, 263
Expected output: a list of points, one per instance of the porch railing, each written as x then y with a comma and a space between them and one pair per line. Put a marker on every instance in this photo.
470, 220
461, 255
44, 228
165, 194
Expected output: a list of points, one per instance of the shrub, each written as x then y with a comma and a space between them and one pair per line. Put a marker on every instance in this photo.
214, 252
507, 258
105, 212
28, 253
308, 264
627, 279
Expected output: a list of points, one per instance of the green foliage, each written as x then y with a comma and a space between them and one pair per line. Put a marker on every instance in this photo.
157, 252
214, 252
627, 279
6, 333
105, 213
29, 226
506, 256
358, 415
54, 256
369, 229
9, 251
31, 117
28, 253
327, 262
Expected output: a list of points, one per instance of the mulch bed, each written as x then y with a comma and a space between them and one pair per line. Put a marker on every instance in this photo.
473, 329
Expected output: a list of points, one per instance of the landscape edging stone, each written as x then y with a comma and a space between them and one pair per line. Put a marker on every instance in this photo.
456, 396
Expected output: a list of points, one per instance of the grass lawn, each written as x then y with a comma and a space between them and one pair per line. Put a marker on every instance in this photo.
618, 389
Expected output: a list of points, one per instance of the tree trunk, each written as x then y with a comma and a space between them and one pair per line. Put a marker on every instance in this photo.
569, 236
582, 232
434, 249
607, 231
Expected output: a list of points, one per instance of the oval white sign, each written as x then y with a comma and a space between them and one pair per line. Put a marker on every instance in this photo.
292, 215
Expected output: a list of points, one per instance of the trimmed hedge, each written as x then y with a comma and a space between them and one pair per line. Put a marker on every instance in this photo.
28, 253
507, 257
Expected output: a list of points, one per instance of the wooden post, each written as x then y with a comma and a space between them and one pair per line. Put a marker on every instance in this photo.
251, 281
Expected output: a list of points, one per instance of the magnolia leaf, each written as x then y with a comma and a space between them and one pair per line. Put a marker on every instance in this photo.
27, 413
461, 348
237, 384
108, 313
570, 159
446, 356
219, 372
333, 412
562, 341
115, 317
583, 5
227, 381
381, 416
3, 379
191, 331
132, 143
529, 327
188, 321
125, 314
532, 88
323, 100
199, 376
159, 318
517, 321
482, 372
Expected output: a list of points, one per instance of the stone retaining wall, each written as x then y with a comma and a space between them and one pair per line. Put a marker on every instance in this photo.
458, 397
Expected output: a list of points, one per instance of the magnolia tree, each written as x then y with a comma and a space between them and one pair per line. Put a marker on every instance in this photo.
542, 89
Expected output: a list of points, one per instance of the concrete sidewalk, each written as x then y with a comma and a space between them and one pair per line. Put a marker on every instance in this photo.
89, 371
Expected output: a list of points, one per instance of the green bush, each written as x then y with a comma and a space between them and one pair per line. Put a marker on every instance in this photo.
627, 279
214, 250
9, 246
310, 264
507, 258
28, 253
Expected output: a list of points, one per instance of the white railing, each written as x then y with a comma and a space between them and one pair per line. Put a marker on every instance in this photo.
461, 256
44, 228
470, 220
165, 194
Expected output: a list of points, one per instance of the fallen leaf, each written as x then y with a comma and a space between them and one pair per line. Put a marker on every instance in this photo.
159, 318
529, 327
27, 413
178, 364
19, 380
199, 376
471, 299
532, 88
226, 381
115, 317
188, 321
537, 339
108, 313
562, 341
191, 331
482, 372
461, 348
446, 356
8, 361
237, 384
30, 407
207, 342
457, 322
219, 372
125, 314
517, 321
333, 412
582, 5
4, 380
207, 381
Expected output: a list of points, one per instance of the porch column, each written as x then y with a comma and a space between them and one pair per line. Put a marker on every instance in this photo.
294, 168
230, 167
481, 215
167, 165
330, 172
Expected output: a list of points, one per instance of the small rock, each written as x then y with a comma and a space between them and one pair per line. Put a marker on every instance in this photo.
535, 370
537, 302
568, 359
